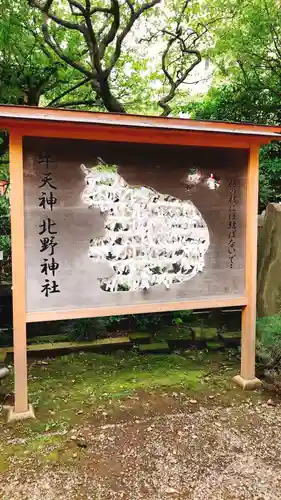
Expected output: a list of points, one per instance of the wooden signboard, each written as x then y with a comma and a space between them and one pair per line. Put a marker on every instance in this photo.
144, 249
117, 214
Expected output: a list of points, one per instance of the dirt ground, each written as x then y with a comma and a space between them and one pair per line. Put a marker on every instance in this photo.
157, 447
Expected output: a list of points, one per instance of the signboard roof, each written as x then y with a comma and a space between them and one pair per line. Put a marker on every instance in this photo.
29, 114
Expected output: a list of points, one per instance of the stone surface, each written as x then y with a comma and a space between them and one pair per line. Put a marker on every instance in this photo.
269, 263
139, 337
109, 343
214, 346
205, 332
12, 416
209, 452
155, 347
249, 385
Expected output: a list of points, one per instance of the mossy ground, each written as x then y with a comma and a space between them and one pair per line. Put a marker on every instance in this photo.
88, 387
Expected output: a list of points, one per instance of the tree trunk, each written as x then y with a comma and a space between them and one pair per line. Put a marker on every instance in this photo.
32, 96
109, 100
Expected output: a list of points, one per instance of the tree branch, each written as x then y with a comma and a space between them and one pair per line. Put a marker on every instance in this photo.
101, 30
179, 19
91, 41
163, 62
275, 37
181, 74
163, 103
78, 6
58, 20
95, 10
191, 67
61, 54
82, 102
130, 5
36, 37
133, 18
100, 70
109, 37
68, 91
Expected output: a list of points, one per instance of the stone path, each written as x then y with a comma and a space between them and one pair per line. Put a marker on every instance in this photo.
198, 453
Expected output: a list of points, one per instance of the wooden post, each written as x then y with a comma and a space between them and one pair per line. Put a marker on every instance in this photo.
247, 379
21, 409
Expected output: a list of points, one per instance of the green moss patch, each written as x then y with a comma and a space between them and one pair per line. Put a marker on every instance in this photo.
69, 390
3, 354
230, 335
204, 333
44, 339
105, 345
230, 339
154, 347
60, 387
214, 346
139, 337
174, 334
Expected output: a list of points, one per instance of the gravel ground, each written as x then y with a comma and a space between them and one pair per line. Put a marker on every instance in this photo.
199, 453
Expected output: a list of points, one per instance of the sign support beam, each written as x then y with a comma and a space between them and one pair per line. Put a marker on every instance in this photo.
21, 409
247, 378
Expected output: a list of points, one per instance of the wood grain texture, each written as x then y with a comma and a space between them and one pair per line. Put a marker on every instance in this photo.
18, 272
137, 309
36, 115
159, 167
248, 341
134, 135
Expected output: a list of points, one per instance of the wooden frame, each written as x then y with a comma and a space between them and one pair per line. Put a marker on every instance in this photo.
24, 121
247, 377
18, 270
145, 136
136, 309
